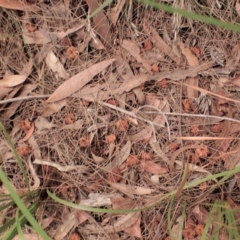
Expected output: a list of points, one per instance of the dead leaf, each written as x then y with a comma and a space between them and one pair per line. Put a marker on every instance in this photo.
158, 41
121, 156
143, 135
151, 167
130, 189
24, 91
76, 125
55, 65
123, 203
18, 5
69, 222
135, 230
78, 81
42, 123
82, 216
115, 11
132, 83
97, 159
200, 214
14, 80
96, 43
28, 134
191, 58
97, 200
179, 74
43, 37
156, 148
134, 50
51, 108
4, 91
100, 21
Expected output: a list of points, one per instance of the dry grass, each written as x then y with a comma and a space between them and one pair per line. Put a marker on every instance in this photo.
89, 144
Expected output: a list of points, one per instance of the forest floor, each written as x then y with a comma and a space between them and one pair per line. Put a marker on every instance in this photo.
122, 110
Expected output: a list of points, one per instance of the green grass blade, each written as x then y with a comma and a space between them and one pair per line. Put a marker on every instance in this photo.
169, 216
208, 223
15, 153
10, 233
19, 227
191, 15
22, 207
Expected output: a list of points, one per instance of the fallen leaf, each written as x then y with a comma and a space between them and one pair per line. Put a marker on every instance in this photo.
28, 134
78, 81
131, 83
120, 158
115, 11
14, 80
97, 200
100, 21
158, 41
131, 189
135, 230
4, 91
55, 65
51, 108
82, 216
97, 159
191, 58
18, 5
43, 37
134, 50
76, 125
63, 229
151, 167
24, 91
123, 203
42, 123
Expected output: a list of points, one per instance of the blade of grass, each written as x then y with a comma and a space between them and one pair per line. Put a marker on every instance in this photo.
22, 221
16, 154
19, 227
208, 223
169, 215
192, 15
182, 221
22, 207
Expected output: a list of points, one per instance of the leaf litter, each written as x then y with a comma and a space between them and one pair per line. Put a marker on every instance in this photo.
127, 89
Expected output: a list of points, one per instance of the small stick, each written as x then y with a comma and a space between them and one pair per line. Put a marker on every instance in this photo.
22, 98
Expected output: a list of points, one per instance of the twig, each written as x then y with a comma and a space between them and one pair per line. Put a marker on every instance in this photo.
131, 114
22, 98
193, 115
